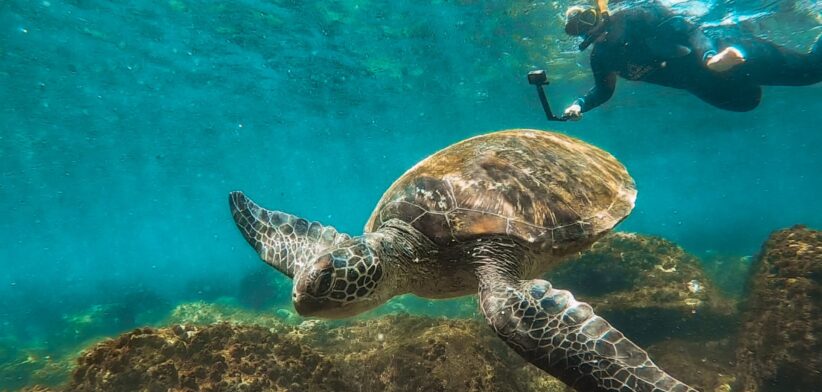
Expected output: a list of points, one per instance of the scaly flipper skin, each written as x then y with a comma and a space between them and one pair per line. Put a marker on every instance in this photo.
284, 241
560, 335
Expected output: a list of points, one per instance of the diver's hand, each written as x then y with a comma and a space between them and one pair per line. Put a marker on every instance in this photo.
573, 113
728, 58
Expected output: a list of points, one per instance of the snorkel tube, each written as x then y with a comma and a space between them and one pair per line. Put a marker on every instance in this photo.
587, 22
595, 32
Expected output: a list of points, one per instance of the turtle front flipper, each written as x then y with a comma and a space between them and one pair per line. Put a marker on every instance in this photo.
283, 241
564, 337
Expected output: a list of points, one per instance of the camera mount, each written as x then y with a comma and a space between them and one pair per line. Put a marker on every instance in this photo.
539, 79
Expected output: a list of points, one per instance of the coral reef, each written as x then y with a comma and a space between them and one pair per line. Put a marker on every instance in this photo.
408, 353
395, 353
207, 313
780, 341
48, 357
37, 388
213, 358
35, 366
390, 353
704, 365
648, 287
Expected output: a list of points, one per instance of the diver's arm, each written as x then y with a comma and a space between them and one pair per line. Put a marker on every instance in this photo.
604, 83
599, 94
702, 46
715, 60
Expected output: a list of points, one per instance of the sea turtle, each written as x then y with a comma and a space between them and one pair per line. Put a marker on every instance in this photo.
487, 214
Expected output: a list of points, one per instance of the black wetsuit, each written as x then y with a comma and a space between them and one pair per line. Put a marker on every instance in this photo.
650, 44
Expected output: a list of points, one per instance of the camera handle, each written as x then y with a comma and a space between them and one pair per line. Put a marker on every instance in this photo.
539, 79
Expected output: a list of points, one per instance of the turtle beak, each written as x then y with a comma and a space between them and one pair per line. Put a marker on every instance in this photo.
306, 305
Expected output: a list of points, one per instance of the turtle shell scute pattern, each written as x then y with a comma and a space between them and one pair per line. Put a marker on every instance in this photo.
542, 187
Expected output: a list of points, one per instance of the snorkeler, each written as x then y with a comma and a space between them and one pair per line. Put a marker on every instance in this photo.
650, 43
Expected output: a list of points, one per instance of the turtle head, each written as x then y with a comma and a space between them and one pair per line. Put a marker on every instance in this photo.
342, 281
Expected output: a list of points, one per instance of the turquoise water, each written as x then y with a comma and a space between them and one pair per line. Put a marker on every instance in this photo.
126, 124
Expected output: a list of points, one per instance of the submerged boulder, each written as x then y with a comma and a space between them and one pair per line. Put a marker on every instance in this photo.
396, 353
648, 287
35, 367
221, 357
704, 365
779, 346
410, 353
390, 353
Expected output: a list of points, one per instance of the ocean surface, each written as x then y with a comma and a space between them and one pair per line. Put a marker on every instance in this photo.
124, 125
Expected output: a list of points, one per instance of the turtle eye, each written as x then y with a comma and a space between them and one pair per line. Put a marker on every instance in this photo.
323, 282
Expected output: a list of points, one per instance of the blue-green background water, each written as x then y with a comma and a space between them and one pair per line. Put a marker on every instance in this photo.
123, 126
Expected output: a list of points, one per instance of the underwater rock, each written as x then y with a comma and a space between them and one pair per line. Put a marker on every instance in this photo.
207, 313
648, 287
221, 357
389, 353
16, 370
395, 353
37, 388
50, 359
411, 353
704, 365
200, 313
780, 342
35, 367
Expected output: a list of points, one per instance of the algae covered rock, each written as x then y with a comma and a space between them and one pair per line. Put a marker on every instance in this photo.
395, 353
35, 367
779, 347
206, 313
647, 286
407, 353
37, 388
706, 365
221, 357
390, 353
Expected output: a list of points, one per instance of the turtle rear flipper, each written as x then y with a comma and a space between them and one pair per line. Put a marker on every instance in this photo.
284, 241
562, 336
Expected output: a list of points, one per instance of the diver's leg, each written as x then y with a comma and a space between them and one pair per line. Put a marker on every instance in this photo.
727, 94
560, 335
770, 64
